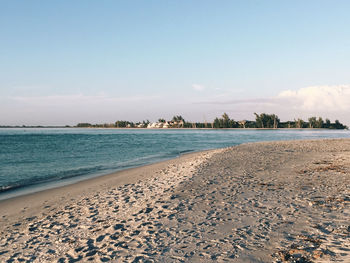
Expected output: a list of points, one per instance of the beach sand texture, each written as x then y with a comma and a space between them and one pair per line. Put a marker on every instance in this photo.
258, 202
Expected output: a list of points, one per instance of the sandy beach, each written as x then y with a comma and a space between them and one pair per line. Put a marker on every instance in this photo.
258, 202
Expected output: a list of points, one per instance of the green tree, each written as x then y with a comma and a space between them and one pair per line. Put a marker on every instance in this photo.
178, 118
312, 122
84, 125
216, 123
124, 124
274, 118
338, 125
259, 121
327, 124
225, 120
266, 120
319, 123
299, 123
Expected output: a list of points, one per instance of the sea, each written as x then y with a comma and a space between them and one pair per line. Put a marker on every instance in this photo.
34, 159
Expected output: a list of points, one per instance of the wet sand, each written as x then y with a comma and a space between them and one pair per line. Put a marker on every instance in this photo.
259, 202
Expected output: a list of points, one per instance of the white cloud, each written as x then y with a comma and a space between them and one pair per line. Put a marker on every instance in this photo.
325, 101
310, 99
198, 87
318, 98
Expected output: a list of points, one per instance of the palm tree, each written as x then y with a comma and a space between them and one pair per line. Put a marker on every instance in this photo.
259, 120
225, 120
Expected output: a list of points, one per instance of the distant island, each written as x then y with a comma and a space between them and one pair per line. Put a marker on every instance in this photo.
262, 121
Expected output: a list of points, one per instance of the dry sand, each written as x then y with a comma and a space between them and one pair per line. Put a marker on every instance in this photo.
261, 202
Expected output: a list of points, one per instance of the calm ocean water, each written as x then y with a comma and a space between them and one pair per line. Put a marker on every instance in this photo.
35, 159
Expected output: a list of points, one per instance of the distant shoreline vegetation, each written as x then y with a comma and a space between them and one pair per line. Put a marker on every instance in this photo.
262, 121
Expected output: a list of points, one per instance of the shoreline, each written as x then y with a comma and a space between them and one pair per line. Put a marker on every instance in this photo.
256, 202
98, 182
50, 185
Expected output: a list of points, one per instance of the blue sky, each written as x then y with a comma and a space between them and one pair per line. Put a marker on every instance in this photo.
64, 62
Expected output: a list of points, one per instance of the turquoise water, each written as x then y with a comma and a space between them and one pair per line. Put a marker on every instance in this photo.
44, 157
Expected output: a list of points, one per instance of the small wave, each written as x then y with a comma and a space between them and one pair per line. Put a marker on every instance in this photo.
80, 172
176, 153
51, 178
186, 151
6, 188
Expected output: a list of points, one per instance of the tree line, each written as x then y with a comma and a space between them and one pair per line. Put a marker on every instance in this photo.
262, 120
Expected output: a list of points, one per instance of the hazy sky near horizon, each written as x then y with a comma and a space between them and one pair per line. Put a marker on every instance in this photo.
64, 62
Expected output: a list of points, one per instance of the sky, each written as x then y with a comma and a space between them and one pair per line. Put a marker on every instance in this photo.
65, 62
